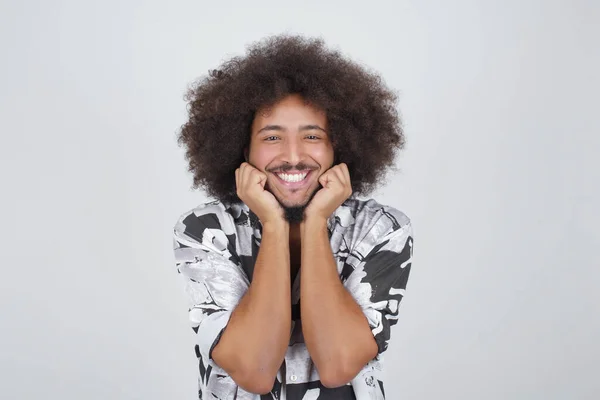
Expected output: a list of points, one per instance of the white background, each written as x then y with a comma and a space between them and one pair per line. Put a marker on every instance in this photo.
500, 177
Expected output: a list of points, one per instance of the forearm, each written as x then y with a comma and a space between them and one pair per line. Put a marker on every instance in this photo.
254, 343
335, 329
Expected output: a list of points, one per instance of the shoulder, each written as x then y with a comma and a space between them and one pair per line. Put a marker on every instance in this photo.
368, 215
364, 226
213, 215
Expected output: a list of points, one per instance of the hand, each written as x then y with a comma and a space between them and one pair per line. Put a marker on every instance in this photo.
336, 189
250, 188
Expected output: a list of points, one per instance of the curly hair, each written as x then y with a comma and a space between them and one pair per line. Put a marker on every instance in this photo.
364, 125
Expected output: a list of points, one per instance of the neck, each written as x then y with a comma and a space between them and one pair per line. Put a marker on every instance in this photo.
295, 250
294, 235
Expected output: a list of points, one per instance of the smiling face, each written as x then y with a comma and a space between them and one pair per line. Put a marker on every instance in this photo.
290, 144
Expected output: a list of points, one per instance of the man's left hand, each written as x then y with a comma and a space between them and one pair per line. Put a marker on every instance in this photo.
336, 189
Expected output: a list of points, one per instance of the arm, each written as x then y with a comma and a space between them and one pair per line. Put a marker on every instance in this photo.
228, 315
254, 343
341, 338
336, 332
345, 326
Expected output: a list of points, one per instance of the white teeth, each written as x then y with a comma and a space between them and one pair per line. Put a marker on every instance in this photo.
292, 177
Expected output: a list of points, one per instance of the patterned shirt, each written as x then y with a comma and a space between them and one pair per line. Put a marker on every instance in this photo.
216, 246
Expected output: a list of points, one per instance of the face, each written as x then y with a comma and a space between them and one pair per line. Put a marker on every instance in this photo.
290, 144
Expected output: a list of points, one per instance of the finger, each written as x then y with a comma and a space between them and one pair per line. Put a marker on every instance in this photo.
337, 175
257, 177
325, 178
263, 178
246, 169
343, 179
337, 181
346, 173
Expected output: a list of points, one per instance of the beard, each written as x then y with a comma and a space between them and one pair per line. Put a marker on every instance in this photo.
295, 214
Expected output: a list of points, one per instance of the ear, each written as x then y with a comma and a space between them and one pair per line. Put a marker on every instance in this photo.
246, 154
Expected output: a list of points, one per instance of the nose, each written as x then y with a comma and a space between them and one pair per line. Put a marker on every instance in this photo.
292, 151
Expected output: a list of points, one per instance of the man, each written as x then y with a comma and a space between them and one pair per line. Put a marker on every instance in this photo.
293, 283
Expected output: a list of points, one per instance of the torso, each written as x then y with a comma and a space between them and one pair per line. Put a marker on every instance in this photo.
294, 262
295, 253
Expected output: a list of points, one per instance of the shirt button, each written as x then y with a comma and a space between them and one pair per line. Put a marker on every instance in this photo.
293, 378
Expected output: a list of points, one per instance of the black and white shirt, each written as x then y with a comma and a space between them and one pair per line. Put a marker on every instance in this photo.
216, 246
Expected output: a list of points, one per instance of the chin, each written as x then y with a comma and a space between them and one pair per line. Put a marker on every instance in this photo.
296, 204
294, 212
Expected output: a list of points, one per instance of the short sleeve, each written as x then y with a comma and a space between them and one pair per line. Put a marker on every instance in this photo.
213, 283
378, 282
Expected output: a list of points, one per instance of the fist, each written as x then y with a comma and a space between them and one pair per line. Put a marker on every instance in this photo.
336, 189
250, 188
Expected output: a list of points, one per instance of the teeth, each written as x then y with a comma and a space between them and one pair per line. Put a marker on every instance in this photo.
292, 177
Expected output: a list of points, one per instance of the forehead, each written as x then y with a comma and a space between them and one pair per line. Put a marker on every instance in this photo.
290, 110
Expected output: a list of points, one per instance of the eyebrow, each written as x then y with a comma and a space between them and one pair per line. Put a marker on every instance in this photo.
280, 128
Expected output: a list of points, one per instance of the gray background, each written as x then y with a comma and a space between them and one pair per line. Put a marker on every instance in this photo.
500, 177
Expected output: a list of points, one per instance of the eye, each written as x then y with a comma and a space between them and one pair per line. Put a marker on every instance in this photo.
271, 138
312, 137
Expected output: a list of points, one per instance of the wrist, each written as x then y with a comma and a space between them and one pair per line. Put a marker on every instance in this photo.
277, 226
272, 217
313, 223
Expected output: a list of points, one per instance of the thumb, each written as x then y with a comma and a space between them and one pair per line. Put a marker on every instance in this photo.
324, 179
261, 179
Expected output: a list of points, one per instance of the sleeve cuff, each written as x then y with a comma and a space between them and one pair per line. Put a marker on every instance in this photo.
210, 331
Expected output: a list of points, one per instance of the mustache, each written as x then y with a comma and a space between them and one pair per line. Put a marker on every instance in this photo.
289, 167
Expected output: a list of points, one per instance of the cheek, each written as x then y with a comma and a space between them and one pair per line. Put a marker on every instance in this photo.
324, 156
260, 157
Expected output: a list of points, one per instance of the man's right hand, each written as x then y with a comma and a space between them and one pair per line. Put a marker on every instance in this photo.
250, 188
